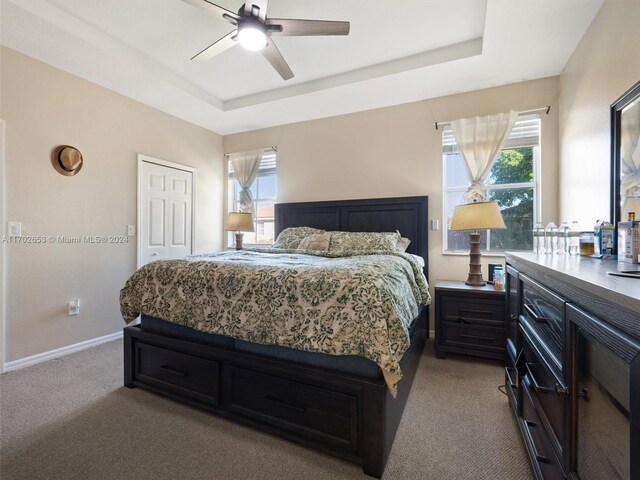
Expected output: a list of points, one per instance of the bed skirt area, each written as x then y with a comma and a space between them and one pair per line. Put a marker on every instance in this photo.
344, 408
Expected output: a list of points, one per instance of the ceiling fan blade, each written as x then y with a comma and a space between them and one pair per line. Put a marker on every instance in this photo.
216, 48
261, 5
293, 27
276, 60
213, 8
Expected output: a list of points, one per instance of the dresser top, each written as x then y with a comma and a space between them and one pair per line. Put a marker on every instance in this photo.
588, 274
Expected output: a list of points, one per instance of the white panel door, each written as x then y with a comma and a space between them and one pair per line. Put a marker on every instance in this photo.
166, 204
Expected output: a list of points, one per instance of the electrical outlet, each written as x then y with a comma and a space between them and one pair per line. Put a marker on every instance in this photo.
131, 230
74, 307
435, 225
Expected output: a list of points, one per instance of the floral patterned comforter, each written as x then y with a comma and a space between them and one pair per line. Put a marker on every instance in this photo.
335, 303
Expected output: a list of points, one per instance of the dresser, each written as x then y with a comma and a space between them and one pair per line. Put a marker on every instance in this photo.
469, 320
572, 370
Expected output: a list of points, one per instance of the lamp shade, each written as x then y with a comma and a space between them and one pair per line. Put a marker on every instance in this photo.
477, 216
240, 222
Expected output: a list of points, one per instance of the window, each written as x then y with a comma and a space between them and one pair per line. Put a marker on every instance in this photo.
264, 191
512, 183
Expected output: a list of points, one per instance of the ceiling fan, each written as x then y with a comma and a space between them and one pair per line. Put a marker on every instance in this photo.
254, 31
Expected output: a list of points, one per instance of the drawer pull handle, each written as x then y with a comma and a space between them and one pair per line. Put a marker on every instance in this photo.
559, 389
536, 318
476, 312
464, 320
476, 337
173, 371
536, 385
528, 426
286, 404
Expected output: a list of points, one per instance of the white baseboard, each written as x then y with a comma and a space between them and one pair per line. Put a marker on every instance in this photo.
59, 352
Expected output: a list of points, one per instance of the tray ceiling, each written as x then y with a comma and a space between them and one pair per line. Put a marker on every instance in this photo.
397, 52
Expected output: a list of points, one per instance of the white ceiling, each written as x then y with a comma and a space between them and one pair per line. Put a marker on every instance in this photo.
397, 51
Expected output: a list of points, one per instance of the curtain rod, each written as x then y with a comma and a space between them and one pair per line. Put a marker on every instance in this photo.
275, 149
546, 111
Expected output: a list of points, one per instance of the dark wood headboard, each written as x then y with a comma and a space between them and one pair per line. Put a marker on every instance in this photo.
409, 215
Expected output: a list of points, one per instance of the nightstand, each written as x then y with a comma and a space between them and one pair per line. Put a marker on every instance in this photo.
470, 320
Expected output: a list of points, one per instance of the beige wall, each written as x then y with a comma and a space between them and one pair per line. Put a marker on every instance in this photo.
396, 151
44, 107
605, 64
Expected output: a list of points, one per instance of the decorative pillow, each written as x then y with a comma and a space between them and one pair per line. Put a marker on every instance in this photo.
292, 236
317, 241
403, 244
363, 241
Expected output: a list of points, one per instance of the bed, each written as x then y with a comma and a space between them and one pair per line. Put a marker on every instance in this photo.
339, 405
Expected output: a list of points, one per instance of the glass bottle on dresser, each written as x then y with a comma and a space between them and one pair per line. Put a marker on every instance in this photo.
574, 238
563, 238
551, 238
538, 238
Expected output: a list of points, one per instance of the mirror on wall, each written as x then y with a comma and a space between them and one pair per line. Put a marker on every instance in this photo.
625, 155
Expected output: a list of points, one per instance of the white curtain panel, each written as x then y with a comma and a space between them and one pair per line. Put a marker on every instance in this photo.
246, 166
479, 142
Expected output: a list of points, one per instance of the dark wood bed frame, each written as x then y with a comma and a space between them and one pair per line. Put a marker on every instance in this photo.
345, 415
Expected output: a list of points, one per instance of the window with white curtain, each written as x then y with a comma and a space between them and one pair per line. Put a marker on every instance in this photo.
513, 183
264, 192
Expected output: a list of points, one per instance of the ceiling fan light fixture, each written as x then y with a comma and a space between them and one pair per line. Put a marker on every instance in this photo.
252, 36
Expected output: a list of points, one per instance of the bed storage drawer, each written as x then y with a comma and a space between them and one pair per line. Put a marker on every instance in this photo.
190, 376
311, 412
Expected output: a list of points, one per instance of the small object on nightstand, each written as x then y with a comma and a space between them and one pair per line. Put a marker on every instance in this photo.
492, 268
470, 320
498, 278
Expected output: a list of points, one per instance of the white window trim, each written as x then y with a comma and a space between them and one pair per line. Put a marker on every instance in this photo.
537, 198
228, 243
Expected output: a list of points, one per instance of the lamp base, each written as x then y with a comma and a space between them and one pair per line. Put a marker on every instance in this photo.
239, 237
474, 278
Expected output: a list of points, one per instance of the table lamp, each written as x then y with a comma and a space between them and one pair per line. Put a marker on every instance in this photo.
476, 216
239, 222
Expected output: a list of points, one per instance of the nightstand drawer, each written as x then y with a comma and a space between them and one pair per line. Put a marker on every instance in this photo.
473, 311
470, 320
489, 339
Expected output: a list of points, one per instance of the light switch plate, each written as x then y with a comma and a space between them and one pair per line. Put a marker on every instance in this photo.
131, 230
15, 229
74, 307
435, 225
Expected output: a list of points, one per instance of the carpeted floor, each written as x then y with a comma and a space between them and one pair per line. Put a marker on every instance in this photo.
71, 418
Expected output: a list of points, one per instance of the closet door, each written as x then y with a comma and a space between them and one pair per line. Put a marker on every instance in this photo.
165, 209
